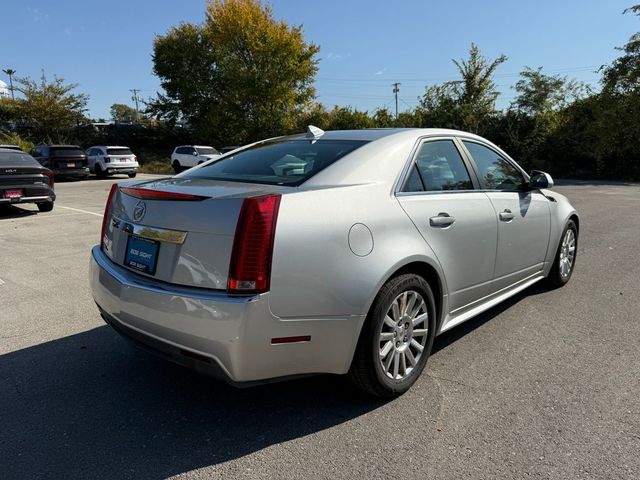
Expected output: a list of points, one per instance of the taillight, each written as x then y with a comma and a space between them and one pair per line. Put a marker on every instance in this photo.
149, 194
250, 270
51, 178
105, 217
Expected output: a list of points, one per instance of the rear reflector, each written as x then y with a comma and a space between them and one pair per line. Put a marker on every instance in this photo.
250, 270
105, 217
148, 194
301, 338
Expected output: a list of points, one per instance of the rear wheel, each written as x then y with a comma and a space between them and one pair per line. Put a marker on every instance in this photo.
176, 166
132, 175
100, 173
396, 339
565, 260
45, 206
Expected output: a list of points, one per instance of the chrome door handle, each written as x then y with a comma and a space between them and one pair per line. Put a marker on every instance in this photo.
442, 220
506, 215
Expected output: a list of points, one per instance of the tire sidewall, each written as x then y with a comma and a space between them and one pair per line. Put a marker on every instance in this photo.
378, 313
559, 278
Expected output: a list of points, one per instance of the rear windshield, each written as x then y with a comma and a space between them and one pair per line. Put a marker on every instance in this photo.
66, 151
119, 151
207, 151
280, 162
17, 158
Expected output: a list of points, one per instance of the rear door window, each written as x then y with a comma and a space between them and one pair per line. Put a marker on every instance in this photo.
280, 162
438, 167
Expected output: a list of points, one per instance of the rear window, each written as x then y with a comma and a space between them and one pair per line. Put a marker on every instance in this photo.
119, 151
17, 158
66, 151
280, 162
207, 151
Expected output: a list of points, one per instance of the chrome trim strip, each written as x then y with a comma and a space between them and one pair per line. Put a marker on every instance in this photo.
25, 199
152, 233
124, 277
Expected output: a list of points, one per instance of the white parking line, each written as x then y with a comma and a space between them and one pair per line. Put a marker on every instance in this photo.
1, 282
81, 211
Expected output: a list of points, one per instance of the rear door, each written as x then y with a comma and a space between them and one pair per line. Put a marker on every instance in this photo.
456, 220
523, 216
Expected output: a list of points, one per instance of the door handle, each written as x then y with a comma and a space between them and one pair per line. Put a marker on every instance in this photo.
506, 215
442, 220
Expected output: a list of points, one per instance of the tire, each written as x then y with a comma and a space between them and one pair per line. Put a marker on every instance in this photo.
132, 175
45, 206
559, 276
375, 372
99, 172
176, 166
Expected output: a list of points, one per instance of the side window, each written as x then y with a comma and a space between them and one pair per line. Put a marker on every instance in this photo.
496, 172
438, 167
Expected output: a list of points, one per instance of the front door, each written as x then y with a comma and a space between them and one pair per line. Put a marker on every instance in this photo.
457, 222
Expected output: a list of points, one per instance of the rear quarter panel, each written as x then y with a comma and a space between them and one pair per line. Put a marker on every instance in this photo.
315, 273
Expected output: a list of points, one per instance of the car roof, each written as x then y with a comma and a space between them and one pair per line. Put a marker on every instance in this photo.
12, 150
53, 145
372, 134
107, 146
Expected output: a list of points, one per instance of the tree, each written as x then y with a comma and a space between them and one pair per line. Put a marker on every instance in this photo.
121, 113
539, 94
50, 109
466, 103
240, 76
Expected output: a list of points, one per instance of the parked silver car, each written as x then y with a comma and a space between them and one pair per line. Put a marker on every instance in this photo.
340, 252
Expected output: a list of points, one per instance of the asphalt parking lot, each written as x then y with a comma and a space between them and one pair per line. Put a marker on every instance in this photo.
544, 386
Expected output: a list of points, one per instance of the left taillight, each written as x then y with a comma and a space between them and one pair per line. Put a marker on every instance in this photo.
105, 218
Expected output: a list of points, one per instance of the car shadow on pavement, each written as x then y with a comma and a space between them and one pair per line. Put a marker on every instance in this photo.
90, 406
12, 211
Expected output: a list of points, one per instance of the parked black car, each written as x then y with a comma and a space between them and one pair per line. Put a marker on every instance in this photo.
23, 180
66, 161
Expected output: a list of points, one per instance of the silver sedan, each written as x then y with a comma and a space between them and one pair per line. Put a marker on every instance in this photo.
340, 252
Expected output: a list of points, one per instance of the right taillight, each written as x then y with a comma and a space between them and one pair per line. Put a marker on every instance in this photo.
250, 270
105, 217
51, 178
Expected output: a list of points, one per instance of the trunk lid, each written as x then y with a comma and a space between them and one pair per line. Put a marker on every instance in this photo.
190, 242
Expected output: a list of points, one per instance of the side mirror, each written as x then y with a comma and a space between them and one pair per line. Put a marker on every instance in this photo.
539, 179
195, 153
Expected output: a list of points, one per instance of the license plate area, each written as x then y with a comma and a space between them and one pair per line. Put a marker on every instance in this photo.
142, 254
14, 193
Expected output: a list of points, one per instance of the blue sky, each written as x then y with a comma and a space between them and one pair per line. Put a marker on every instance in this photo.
365, 44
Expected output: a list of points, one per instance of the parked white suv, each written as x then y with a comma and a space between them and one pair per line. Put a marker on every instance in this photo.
105, 161
187, 156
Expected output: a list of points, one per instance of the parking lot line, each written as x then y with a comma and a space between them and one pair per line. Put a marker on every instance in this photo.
81, 211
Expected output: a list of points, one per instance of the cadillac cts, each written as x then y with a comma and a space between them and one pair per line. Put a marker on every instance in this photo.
340, 252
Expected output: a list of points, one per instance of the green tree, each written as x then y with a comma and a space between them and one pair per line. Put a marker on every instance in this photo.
121, 113
50, 109
467, 103
240, 76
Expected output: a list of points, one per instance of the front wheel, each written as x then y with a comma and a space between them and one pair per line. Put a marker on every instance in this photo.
176, 166
396, 339
565, 260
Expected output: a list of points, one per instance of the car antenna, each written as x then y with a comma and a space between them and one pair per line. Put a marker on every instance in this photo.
314, 133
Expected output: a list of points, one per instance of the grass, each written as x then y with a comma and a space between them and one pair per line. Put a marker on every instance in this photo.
157, 166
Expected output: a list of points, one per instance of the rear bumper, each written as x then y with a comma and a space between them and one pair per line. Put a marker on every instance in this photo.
71, 172
114, 170
212, 332
34, 199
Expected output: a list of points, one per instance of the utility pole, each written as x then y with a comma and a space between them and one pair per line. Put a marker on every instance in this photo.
11, 73
395, 92
135, 92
